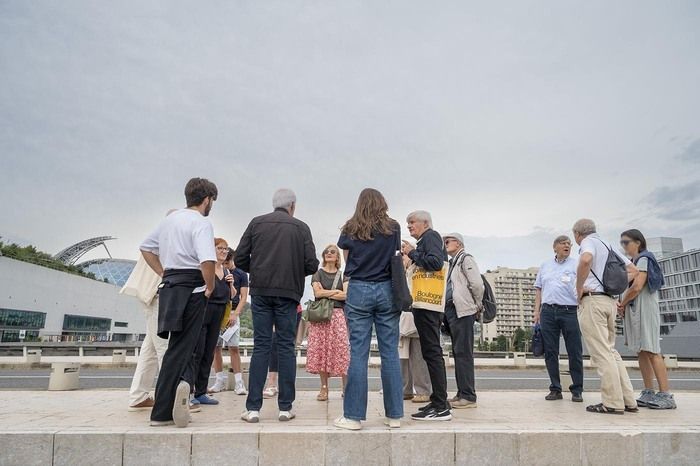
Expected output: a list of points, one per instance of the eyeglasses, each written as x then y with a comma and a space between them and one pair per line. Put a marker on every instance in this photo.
330, 252
220, 248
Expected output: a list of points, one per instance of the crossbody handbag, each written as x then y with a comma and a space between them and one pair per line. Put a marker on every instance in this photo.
321, 310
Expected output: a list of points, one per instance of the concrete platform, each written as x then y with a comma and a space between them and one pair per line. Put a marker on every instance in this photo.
94, 427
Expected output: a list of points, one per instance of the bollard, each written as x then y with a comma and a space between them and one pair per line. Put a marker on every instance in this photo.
671, 361
81, 351
64, 376
33, 356
519, 359
118, 356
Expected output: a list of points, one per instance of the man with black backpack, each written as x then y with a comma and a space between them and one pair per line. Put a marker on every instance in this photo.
463, 300
603, 274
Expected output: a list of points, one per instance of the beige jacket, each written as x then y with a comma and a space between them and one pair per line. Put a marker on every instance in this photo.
467, 285
142, 283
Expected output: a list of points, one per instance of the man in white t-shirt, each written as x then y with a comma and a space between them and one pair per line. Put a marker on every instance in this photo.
596, 314
181, 250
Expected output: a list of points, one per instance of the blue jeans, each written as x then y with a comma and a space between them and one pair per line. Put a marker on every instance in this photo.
556, 320
370, 303
269, 311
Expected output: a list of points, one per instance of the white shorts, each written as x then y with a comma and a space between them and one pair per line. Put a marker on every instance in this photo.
233, 343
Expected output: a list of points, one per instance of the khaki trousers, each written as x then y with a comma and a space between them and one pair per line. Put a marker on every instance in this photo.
150, 358
596, 316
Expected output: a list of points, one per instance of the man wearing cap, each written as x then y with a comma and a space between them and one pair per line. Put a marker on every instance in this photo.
465, 292
556, 311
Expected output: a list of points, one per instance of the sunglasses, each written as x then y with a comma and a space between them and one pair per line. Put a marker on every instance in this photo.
330, 252
625, 242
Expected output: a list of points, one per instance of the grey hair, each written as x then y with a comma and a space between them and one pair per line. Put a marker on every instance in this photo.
561, 239
421, 216
584, 227
283, 199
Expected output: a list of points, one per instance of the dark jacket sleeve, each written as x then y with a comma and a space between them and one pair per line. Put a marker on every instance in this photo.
430, 254
242, 257
311, 262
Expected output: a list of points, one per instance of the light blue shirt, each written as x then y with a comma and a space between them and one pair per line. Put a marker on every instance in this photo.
557, 280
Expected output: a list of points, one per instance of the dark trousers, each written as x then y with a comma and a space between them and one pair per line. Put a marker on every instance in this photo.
556, 320
428, 325
274, 363
204, 351
462, 332
280, 313
178, 359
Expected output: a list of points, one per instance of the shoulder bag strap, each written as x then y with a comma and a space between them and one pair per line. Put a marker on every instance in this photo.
336, 280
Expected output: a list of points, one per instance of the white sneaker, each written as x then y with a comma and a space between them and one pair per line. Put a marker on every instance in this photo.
181, 407
349, 424
286, 416
240, 389
392, 423
251, 416
219, 386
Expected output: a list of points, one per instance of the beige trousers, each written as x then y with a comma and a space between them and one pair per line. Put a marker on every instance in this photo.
414, 370
596, 317
150, 358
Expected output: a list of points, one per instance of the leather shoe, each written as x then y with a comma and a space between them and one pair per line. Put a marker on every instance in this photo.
553, 396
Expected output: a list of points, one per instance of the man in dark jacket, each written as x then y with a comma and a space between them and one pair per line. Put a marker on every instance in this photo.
278, 252
429, 255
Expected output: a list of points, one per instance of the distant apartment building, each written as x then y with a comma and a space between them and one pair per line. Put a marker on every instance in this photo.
664, 246
679, 299
514, 290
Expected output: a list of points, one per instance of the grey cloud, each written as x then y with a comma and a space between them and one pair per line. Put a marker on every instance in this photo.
676, 203
692, 152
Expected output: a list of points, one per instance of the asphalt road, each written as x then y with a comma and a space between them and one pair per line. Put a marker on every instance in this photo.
504, 379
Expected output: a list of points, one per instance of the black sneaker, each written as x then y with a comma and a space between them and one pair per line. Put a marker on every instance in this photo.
576, 398
553, 396
432, 414
428, 406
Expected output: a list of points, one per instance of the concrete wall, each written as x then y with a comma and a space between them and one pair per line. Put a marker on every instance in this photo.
30, 287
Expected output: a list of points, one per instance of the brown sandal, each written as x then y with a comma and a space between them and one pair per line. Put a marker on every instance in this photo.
323, 394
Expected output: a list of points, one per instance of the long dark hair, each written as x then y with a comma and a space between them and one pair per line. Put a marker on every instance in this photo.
636, 235
370, 217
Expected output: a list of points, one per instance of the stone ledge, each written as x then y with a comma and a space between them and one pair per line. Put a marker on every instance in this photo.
94, 427
336, 447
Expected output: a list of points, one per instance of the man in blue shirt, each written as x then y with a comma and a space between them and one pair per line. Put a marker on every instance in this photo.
556, 312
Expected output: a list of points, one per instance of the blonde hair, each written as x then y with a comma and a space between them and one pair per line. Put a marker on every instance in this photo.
338, 259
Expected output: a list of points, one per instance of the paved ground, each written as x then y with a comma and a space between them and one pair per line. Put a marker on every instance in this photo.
105, 411
486, 379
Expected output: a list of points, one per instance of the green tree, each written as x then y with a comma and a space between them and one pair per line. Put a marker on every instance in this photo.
522, 339
33, 256
501, 343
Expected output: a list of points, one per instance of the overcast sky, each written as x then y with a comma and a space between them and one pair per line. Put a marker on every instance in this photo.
506, 120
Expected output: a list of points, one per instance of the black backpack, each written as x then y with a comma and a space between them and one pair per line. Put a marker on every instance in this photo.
614, 274
488, 308
488, 313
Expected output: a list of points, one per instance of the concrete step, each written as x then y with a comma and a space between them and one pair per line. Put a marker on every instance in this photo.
94, 427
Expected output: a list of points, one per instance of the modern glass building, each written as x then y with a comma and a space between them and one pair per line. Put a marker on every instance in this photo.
114, 271
18, 325
679, 299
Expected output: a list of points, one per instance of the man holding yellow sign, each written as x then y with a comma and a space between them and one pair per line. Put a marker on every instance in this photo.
428, 290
